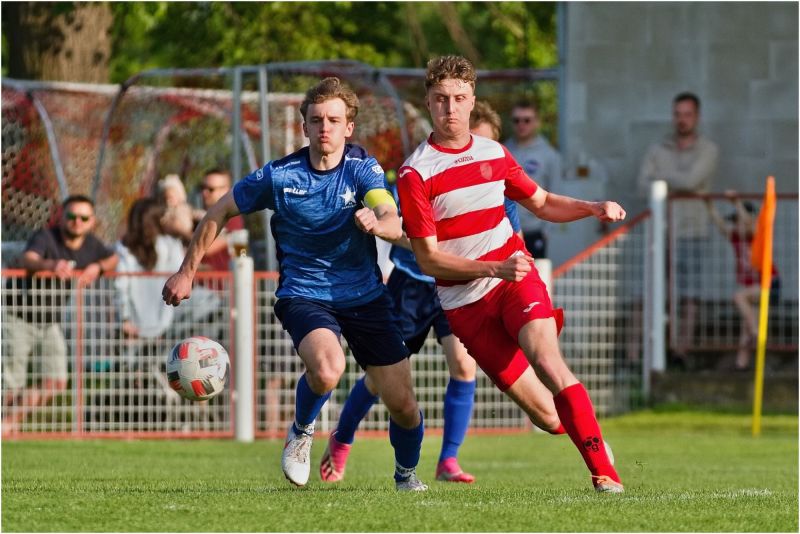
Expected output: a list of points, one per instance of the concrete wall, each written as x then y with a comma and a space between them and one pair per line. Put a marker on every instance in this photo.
625, 61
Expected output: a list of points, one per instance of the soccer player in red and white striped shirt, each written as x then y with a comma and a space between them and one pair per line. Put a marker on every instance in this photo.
452, 190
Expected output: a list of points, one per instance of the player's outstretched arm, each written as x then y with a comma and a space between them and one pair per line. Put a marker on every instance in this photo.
179, 286
559, 208
445, 266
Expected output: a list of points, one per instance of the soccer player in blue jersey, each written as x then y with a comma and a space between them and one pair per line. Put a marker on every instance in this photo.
419, 310
330, 283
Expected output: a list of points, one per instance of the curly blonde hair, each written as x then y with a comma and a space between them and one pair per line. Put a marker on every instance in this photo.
450, 68
328, 89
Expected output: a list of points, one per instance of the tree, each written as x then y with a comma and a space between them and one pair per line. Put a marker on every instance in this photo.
67, 41
383, 34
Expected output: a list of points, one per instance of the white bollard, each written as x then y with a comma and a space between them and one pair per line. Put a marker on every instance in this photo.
243, 332
655, 284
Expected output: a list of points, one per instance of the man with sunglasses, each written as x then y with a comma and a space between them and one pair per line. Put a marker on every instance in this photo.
32, 321
540, 161
215, 184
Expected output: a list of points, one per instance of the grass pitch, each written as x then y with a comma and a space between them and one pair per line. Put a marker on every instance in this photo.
683, 471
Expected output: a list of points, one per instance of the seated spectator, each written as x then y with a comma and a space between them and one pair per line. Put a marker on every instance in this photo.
145, 247
215, 184
178, 217
739, 228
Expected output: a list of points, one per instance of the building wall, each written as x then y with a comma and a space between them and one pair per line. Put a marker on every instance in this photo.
625, 61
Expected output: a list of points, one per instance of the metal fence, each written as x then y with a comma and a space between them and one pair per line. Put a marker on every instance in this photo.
117, 386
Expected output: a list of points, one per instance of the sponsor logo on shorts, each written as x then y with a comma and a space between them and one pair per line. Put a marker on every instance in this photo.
531, 306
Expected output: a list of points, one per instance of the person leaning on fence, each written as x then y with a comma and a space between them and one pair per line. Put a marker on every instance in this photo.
33, 313
687, 161
739, 228
452, 189
330, 283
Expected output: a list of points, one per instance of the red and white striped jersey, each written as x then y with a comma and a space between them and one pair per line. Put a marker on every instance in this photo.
457, 196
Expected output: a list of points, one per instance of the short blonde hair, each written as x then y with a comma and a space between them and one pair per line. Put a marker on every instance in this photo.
483, 113
172, 181
450, 68
328, 89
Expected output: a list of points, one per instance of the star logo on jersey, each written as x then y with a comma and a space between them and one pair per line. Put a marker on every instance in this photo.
349, 197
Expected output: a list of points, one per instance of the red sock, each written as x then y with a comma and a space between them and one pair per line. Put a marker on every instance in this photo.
559, 430
577, 415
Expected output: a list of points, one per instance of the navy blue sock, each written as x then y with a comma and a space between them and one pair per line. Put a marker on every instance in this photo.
458, 400
354, 410
307, 405
407, 443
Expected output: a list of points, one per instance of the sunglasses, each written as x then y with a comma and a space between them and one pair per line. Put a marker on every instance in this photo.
524, 120
72, 216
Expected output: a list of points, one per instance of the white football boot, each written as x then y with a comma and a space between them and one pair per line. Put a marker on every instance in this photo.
296, 457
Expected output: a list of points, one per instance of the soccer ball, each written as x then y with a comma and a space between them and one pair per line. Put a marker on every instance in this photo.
197, 368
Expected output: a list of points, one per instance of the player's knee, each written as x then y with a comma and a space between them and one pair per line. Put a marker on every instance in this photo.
325, 377
463, 370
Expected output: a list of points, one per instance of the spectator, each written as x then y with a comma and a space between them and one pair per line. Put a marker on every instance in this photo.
739, 228
178, 217
540, 161
687, 161
145, 248
215, 184
32, 322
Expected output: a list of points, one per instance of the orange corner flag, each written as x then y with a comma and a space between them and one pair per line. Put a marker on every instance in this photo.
762, 240
761, 258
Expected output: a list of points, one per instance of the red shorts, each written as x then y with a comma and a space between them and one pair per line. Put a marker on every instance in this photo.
489, 328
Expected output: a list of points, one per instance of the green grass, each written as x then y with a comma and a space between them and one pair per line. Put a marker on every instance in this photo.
683, 471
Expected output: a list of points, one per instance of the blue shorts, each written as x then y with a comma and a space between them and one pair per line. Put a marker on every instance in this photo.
370, 329
417, 307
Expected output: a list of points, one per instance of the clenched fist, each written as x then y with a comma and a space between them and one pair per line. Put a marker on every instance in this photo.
609, 211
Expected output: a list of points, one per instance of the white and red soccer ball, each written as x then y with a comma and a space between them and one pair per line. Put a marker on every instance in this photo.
197, 368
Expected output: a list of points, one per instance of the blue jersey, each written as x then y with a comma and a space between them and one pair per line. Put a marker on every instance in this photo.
404, 259
322, 254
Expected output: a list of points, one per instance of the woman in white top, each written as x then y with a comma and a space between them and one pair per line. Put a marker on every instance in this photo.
145, 248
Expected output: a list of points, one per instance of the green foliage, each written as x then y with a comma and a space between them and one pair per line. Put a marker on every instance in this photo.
683, 471
212, 34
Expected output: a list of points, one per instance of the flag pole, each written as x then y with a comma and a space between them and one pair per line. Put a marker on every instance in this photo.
764, 236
